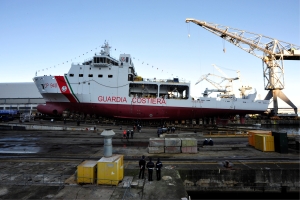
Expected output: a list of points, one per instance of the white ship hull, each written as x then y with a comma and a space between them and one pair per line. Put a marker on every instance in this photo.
112, 89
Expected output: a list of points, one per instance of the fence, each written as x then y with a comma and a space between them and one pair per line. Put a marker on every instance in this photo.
226, 133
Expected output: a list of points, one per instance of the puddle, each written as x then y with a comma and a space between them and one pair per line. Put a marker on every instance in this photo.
17, 139
20, 149
19, 145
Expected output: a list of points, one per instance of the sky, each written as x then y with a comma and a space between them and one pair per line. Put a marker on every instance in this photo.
45, 37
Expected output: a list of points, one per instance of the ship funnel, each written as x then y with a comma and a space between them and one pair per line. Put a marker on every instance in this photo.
108, 135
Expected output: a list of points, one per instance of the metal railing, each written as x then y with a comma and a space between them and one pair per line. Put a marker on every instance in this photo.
169, 81
127, 194
97, 181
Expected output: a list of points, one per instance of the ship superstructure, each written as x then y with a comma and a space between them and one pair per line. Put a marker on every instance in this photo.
110, 87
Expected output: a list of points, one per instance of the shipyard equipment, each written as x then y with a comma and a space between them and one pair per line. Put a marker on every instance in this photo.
228, 87
271, 51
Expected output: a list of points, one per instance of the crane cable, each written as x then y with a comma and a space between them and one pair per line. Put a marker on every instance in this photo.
224, 48
188, 29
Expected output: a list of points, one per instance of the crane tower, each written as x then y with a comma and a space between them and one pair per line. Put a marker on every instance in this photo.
271, 51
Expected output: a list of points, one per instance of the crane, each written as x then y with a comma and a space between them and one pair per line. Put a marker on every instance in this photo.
271, 51
218, 85
220, 70
242, 88
209, 91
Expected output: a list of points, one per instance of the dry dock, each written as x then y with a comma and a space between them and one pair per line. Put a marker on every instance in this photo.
40, 164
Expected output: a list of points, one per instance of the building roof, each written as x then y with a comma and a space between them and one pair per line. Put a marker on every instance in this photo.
19, 90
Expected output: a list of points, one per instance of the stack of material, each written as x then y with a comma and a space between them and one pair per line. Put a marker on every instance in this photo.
172, 145
188, 145
156, 145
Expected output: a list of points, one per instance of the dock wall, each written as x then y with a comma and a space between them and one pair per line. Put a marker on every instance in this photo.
269, 121
7, 126
251, 180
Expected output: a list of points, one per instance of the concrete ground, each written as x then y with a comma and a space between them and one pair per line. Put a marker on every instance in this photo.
40, 164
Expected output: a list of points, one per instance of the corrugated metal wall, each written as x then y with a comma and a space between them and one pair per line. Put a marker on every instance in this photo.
22, 96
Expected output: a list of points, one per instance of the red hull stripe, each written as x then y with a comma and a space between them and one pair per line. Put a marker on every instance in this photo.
141, 112
64, 88
66, 78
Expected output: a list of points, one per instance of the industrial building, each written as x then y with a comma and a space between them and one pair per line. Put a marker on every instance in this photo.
22, 96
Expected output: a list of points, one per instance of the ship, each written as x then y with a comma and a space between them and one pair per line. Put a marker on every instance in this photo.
109, 87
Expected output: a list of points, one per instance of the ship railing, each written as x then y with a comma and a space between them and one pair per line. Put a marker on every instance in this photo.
91, 58
169, 81
88, 59
76, 63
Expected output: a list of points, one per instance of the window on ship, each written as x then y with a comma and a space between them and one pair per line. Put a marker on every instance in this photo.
71, 75
143, 90
110, 76
130, 77
80, 75
100, 75
105, 60
90, 75
174, 91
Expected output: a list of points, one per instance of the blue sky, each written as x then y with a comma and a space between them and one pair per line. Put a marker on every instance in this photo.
38, 35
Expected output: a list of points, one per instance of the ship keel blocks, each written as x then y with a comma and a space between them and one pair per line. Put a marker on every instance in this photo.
188, 142
172, 145
172, 150
156, 142
189, 150
156, 149
172, 142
